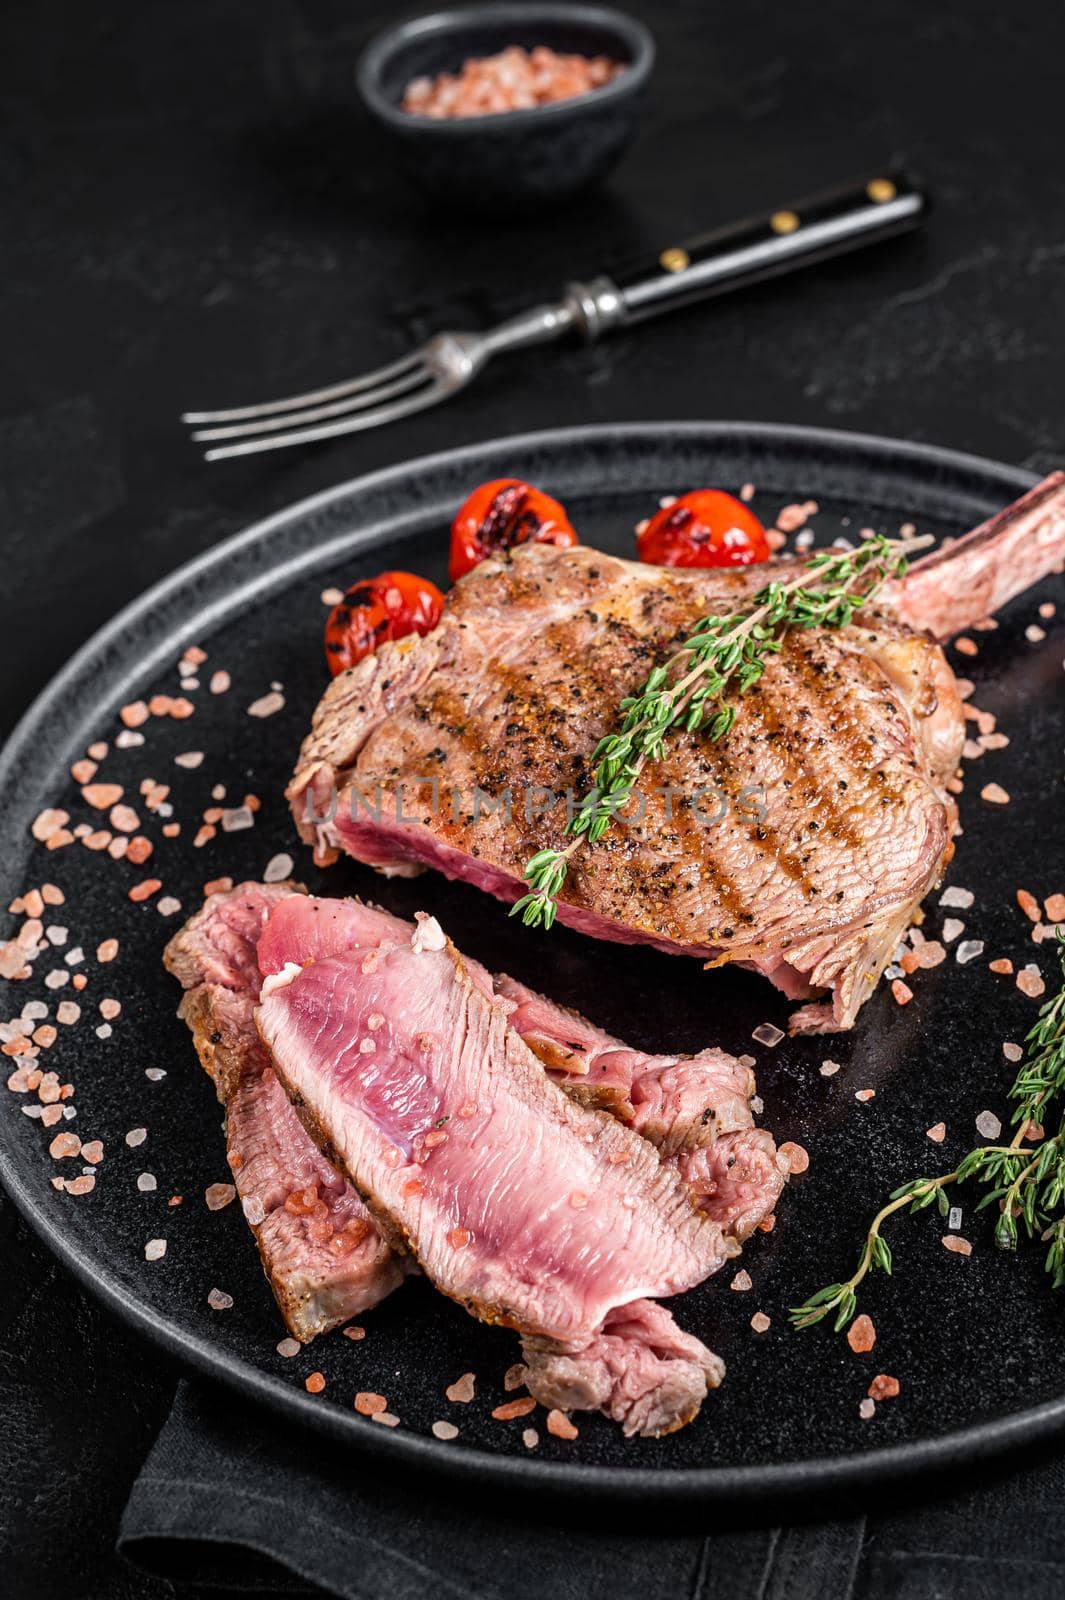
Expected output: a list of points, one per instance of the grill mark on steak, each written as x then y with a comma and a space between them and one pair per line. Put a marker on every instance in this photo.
835, 716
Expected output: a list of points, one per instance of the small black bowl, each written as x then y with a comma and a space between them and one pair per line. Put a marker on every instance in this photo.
514, 159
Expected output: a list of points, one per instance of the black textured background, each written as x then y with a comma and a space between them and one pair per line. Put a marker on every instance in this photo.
193, 211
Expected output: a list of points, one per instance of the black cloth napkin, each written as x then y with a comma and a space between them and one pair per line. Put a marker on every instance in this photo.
230, 1501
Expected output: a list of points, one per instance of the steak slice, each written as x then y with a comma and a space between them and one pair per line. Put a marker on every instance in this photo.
529, 1209
640, 1369
320, 1250
675, 1101
836, 820
678, 1102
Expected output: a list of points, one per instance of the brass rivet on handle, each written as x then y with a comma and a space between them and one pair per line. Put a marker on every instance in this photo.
881, 190
784, 222
674, 259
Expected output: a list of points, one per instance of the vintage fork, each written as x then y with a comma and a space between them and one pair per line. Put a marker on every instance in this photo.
826, 225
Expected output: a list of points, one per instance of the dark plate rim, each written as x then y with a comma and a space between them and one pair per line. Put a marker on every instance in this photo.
682, 1488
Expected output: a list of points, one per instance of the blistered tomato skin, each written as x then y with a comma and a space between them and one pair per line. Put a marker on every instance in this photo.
390, 606
706, 528
501, 514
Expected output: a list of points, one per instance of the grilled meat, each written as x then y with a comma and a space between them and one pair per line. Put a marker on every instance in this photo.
529, 1209
800, 844
320, 1250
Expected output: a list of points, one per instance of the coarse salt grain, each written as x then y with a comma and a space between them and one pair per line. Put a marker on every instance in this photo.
278, 868
445, 1430
995, 794
267, 705
1030, 981
155, 1073
219, 1195
289, 1348
956, 899
795, 1155
883, 1387
828, 1069
902, 992
742, 1282
514, 1408
957, 1245
1012, 1052
864, 1095
1028, 904
989, 1126
368, 1404
155, 1249
952, 927
168, 906
760, 1322
314, 1383
462, 1390
354, 1331
218, 1300
861, 1335
968, 951
867, 1409
136, 1136
767, 1034
560, 1425
937, 1132
147, 1182
93, 1152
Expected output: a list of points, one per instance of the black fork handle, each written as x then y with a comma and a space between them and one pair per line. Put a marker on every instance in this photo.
826, 225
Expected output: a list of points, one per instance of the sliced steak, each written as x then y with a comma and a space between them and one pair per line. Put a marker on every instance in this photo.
736, 1181
675, 1101
322, 1254
529, 1209
836, 819
640, 1369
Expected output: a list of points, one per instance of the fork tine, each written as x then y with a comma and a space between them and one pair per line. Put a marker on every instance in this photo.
313, 397
297, 419
419, 401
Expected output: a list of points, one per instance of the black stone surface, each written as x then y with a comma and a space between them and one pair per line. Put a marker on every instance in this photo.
193, 212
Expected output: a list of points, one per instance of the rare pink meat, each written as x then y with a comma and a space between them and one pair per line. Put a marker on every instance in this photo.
530, 1210
639, 1368
322, 1254
523, 1205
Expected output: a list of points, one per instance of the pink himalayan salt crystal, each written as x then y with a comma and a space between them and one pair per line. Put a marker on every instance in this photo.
861, 1335
957, 1245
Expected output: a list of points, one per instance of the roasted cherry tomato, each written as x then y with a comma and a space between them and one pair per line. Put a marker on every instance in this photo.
375, 609
501, 514
707, 528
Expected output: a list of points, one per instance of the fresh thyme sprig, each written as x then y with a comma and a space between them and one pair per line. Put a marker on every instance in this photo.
722, 654
1026, 1178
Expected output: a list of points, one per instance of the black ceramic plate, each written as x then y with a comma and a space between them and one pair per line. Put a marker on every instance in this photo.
976, 1343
